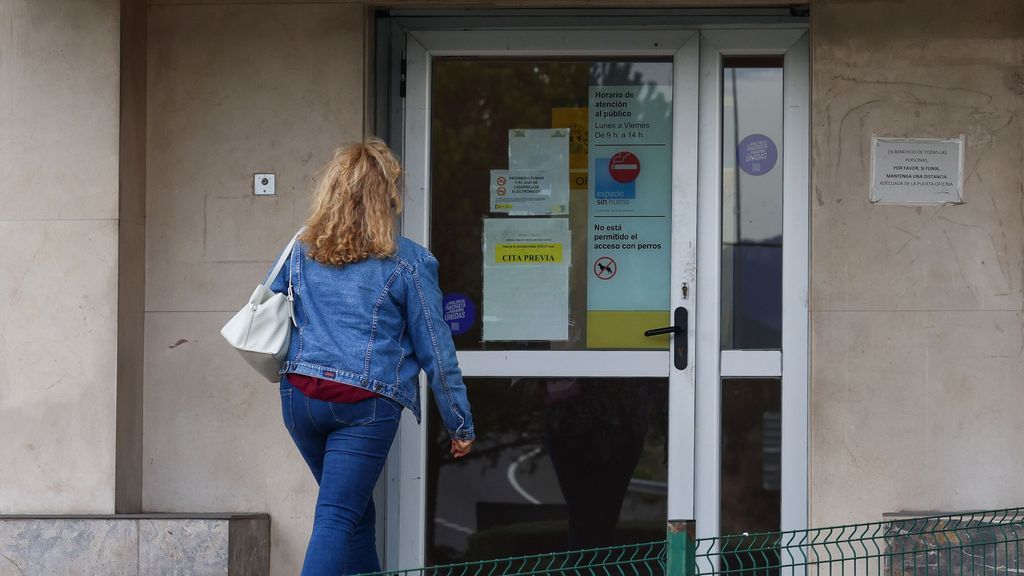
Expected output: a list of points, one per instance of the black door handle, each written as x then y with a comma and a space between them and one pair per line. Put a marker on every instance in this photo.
665, 330
680, 350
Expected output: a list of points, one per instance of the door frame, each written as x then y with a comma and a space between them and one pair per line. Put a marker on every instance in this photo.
697, 126
792, 365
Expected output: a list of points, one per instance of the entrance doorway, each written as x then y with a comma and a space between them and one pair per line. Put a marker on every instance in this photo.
620, 218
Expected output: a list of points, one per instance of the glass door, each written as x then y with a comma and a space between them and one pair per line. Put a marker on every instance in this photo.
555, 181
572, 183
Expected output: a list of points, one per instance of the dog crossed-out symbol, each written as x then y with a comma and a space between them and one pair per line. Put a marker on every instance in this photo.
605, 268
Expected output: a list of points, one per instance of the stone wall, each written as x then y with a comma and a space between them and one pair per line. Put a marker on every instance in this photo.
143, 545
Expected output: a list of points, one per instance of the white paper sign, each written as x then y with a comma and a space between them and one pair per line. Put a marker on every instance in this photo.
917, 171
522, 192
547, 151
526, 279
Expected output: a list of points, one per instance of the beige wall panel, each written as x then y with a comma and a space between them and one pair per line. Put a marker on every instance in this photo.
235, 90
915, 411
58, 109
916, 311
214, 438
58, 287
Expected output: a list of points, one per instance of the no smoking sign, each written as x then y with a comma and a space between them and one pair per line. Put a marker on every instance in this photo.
624, 167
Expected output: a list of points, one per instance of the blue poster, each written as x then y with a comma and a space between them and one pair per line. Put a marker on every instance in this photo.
757, 154
459, 313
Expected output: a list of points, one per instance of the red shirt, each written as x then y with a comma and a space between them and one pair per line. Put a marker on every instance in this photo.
328, 390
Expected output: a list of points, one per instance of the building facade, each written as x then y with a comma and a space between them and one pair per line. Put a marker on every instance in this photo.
852, 345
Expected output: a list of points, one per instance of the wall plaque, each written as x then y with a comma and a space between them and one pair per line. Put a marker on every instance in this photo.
917, 170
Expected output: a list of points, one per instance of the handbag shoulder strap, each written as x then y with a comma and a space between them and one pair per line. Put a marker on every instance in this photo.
280, 261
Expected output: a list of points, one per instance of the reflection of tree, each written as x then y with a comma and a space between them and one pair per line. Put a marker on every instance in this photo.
658, 105
474, 103
595, 433
748, 504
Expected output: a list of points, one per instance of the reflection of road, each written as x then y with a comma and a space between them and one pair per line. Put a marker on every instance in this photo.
466, 483
519, 475
511, 474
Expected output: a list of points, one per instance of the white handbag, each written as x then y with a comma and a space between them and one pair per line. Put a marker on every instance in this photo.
261, 330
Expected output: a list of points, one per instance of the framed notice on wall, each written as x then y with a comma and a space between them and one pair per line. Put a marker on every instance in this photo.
917, 170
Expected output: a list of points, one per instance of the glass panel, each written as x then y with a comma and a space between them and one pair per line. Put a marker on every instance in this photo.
752, 204
751, 455
561, 464
551, 201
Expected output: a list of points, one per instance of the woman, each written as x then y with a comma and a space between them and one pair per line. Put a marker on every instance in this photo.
368, 318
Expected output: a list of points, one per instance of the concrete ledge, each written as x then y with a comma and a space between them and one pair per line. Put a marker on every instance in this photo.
135, 544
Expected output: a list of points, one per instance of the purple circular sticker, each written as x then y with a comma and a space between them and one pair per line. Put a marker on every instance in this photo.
757, 154
459, 313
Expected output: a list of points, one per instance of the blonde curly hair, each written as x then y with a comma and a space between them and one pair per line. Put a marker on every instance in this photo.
355, 205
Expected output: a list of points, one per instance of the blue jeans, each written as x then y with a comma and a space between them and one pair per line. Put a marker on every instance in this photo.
345, 446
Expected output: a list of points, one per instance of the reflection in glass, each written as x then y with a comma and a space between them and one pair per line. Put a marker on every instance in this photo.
751, 455
559, 464
474, 103
752, 143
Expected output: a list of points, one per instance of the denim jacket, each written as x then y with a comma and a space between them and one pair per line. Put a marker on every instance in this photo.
374, 325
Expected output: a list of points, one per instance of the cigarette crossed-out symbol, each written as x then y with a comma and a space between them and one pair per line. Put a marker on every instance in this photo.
605, 268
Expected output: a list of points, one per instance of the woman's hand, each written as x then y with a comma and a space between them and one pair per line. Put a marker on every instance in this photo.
461, 447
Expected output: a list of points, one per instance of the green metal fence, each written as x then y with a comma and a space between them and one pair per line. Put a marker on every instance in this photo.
970, 544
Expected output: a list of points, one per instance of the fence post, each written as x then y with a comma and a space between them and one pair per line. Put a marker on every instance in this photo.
681, 548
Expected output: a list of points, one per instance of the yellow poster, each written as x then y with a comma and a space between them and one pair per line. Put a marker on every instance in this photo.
545, 253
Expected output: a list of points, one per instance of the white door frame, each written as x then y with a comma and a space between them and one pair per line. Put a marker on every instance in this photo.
712, 363
694, 401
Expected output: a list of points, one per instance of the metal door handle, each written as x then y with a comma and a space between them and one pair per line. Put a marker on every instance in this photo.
665, 330
680, 349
